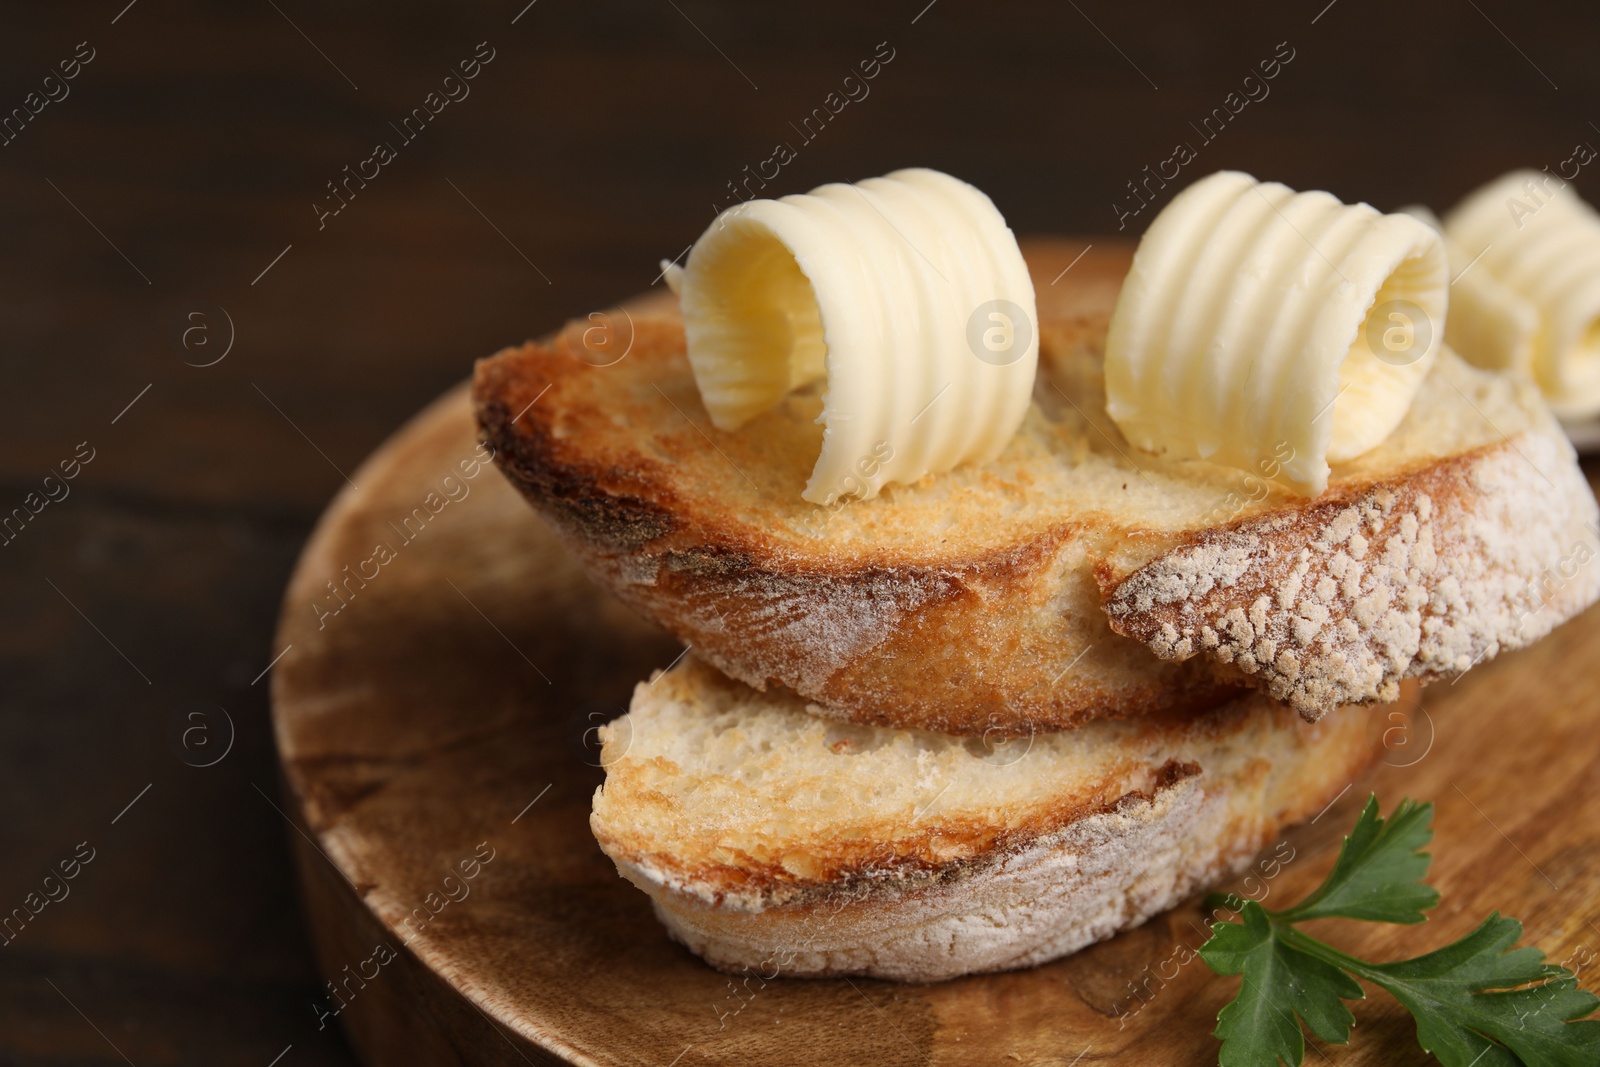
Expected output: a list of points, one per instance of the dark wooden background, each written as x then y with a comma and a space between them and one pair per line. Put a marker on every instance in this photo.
188, 155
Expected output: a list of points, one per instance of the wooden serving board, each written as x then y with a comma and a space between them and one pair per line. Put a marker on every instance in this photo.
436, 720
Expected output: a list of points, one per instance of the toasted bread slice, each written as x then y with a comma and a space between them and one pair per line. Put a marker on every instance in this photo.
1028, 592
773, 840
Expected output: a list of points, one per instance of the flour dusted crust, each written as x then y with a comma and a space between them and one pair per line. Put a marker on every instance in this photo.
1425, 577
1028, 593
754, 829
1106, 873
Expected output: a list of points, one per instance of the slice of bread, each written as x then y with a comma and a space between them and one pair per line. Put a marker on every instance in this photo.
773, 840
1029, 592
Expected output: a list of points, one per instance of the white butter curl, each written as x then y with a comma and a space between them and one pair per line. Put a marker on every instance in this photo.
1271, 330
1490, 325
1531, 234
906, 293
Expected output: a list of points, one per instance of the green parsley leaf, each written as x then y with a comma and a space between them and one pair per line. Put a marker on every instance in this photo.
1378, 876
1281, 984
1447, 992
1479, 1002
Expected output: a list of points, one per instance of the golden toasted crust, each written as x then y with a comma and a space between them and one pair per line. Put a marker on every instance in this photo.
1028, 592
769, 840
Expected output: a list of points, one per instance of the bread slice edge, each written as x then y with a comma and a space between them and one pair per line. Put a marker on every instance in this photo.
1026, 898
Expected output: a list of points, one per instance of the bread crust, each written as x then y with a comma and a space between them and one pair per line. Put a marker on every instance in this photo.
1162, 812
1419, 578
1109, 872
893, 615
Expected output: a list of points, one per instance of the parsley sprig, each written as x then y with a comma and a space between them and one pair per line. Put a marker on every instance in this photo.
1478, 1002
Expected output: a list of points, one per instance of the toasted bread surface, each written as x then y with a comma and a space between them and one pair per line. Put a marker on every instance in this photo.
1029, 592
772, 839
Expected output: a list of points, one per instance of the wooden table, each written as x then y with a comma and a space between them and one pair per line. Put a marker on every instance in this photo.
188, 157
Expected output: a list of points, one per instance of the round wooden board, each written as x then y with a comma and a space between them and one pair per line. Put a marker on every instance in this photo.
444, 713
